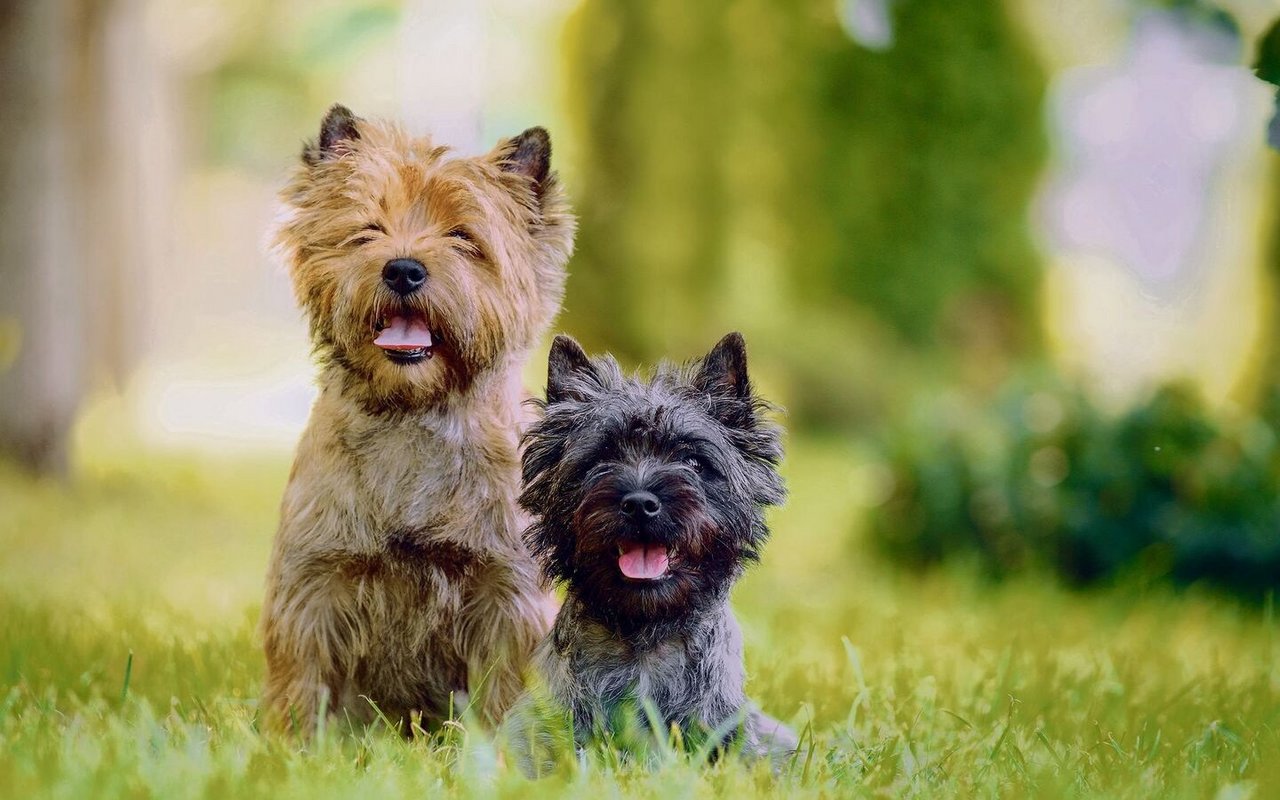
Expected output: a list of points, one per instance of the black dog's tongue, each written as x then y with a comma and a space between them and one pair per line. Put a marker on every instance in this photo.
643, 561
404, 333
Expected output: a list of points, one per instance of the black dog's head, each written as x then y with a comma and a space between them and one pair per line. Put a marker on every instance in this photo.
648, 496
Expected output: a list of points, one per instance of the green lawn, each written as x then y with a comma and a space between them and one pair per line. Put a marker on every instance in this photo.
129, 664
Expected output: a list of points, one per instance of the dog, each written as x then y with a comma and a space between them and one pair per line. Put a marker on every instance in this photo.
647, 499
399, 583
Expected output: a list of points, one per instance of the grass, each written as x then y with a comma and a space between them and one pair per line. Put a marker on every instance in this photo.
129, 665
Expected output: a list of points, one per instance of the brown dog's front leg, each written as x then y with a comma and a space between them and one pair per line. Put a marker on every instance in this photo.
309, 630
506, 618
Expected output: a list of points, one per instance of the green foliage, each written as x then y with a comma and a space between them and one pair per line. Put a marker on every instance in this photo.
1046, 479
931, 156
279, 72
1267, 67
747, 165
937, 686
1266, 64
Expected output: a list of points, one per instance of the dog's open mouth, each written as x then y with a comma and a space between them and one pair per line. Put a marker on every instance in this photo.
642, 561
405, 337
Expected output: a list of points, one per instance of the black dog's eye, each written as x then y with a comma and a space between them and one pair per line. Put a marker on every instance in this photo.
609, 451
696, 464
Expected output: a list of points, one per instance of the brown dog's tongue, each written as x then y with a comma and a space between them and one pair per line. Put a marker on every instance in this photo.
404, 333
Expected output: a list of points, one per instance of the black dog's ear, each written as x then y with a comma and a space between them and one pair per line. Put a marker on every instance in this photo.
723, 372
337, 130
567, 366
529, 154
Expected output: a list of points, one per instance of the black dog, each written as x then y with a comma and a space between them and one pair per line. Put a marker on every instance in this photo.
647, 499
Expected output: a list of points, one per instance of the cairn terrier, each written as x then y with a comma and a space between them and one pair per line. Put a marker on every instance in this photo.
647, 500
398, 578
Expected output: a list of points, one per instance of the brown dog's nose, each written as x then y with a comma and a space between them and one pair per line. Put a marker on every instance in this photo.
404, 275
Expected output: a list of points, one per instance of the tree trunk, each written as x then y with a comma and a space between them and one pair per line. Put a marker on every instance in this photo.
47, 52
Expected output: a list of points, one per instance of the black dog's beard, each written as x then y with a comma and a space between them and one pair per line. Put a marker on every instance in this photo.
703, 561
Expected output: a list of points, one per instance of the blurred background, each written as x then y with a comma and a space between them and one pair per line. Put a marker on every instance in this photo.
1011, 267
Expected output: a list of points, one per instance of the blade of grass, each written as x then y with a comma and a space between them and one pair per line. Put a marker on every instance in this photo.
128, 675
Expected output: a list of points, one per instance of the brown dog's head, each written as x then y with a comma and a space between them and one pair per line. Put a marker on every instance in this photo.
419, 272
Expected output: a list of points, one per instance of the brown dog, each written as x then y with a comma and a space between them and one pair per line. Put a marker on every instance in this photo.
398, 576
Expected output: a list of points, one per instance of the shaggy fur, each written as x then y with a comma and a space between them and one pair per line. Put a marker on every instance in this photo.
398, 575
695, 441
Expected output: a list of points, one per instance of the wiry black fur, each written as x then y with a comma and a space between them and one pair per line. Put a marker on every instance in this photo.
696, 436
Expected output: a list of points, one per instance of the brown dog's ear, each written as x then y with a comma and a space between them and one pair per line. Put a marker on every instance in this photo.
337, 130
723, 371
568, 371
529, 154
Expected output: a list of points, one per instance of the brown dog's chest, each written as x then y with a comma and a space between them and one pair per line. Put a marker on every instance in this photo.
411, 599
415, 483
417, 569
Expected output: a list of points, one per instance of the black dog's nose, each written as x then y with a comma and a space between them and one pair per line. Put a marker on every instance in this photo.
641, 505
404, 275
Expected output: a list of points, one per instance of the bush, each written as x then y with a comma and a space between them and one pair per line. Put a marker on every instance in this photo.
1045, 478
749, 166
